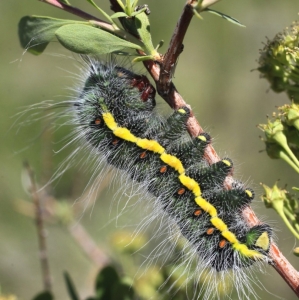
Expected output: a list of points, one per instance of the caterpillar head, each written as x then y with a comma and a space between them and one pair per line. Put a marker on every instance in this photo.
259, 238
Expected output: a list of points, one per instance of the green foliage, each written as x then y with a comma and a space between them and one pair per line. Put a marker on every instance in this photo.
44, 296
109, 285
70, 287
36, 32
279, 62
91, 37
285, 204
277, 144
85, 39
225, 17
142, 26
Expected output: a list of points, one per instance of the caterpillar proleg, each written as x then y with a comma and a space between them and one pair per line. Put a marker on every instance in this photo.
114, 117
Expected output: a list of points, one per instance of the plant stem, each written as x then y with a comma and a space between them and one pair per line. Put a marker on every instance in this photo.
40, 231
175, 100
174, 50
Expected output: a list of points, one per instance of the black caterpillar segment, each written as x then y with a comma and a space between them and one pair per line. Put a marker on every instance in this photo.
116, 113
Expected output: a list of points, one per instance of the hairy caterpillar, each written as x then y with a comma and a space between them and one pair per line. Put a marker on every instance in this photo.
114, 118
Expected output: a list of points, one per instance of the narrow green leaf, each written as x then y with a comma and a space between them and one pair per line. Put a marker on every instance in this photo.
224, 16
100, 10
85, 39
44, 296
119, 15
135, 13
121, 4
143, 28
134, 3
35, 32
161, 43
70, 287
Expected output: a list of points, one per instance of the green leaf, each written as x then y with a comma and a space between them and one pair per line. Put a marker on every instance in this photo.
70, 287
35, 32
224, 16
44, 296
123, 291
119, 15
143, 28
105, 283
100, 10
86, 39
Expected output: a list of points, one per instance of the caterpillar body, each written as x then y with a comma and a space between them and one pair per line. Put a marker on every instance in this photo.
114, 115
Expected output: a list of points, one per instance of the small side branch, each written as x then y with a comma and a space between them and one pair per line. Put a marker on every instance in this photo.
174, 50
79, 13
40, 230
90, 248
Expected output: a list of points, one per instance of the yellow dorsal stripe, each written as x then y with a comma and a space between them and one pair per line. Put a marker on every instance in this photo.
191, 184
173, 162
125, 134
150, 145
109, 121
188, 182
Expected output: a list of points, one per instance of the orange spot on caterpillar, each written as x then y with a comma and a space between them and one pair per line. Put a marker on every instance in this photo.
210, 231
197, 212
163, 169
181, 191
98, 121
120, 74
222, 243
143, 155
115, 142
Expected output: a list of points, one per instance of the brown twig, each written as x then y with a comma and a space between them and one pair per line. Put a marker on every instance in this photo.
162, 75
175, 48
96, 21
77, 12
40, 230
169, 93
49, 213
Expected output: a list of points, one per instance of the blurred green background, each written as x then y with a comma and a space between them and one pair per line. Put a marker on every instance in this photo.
214, 75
